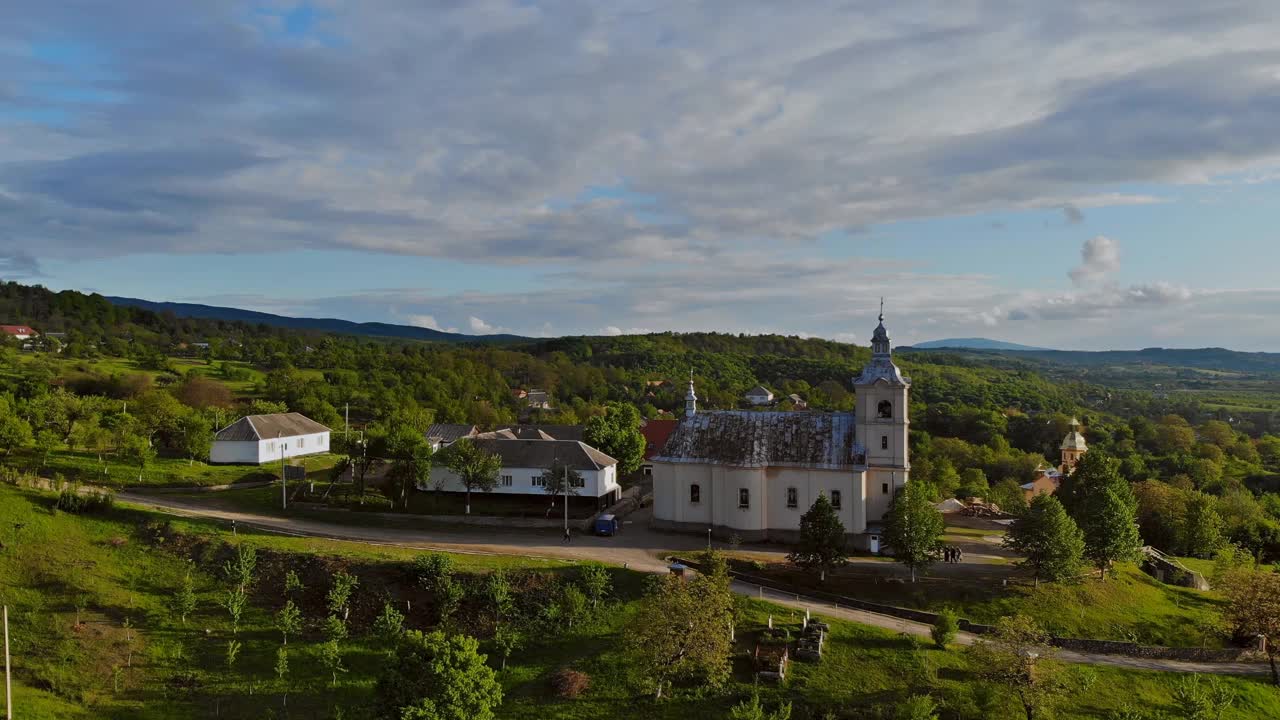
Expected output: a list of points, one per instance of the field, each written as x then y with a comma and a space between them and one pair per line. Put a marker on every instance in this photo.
110, 471
129, 655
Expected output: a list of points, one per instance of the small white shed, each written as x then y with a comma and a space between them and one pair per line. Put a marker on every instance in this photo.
257, 439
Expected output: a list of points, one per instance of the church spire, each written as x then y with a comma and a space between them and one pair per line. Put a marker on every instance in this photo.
880, 338
691, 398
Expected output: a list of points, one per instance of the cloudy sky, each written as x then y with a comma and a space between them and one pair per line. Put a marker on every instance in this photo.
1078, 175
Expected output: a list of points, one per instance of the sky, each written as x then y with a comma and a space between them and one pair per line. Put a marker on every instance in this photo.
1084, 175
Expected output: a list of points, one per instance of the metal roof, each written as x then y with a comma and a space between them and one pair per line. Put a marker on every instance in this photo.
268, 427
545, 453
765, 439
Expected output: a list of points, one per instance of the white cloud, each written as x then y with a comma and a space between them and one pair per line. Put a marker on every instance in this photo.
423, 321
1099, 258
480, 327
611, 330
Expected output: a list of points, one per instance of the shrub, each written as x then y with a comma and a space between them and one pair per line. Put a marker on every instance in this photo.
69, 500
759, 565
945, 628
569, 683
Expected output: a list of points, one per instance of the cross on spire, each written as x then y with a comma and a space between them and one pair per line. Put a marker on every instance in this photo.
881, 308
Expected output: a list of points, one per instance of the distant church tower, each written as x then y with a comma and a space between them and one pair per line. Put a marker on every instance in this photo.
690, 399
881, 421
1073, 447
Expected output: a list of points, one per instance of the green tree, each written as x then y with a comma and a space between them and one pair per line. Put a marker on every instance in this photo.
1199, 698
438, 677
235, 602
1200, 530
682, 630
233, 653
137, 450
917, 707
596, 582
617, 434
339, 597
822, 539
913, 528
973, 483
1016, 657
14, 431
331, 659
389, 624
184, 600
507, 638
410, 456
1008, 496
1111, 527
1049, 540
288, 621
945, 627
282, 673
1253, 609
195, 437
476, 468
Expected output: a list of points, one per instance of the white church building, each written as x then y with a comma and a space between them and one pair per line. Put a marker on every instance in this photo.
754, 474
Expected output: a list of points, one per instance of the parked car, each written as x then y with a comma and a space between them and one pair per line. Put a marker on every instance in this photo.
606, 525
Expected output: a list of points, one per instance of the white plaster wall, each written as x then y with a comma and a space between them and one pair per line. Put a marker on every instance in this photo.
224, 451
596, 482
270, 449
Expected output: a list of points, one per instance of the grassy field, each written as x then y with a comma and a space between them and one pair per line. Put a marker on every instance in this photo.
162, 472
129, 656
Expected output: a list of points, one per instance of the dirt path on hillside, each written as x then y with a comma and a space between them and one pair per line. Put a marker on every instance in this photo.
636, 547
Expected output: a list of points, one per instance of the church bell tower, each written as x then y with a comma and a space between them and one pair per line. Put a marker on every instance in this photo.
881, 419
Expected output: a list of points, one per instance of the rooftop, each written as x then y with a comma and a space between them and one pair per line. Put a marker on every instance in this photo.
765, 439
269, 427
545, 453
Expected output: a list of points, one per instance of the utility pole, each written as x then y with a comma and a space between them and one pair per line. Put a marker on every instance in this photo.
346, 422
8, 683
566, 498
284, 484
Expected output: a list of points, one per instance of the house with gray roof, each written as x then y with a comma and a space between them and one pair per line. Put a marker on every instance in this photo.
257, 439
529, 455
759, 395
755, 473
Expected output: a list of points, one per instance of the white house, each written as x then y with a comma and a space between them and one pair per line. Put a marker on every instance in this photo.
753, 474
525, 462
18, 332
759, 395
257, 439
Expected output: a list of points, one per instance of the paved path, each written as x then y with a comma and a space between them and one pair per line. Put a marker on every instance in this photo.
636, 547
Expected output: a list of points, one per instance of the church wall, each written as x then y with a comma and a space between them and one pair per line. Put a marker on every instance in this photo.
878, 500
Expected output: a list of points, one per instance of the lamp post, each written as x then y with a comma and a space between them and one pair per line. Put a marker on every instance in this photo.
708, 539
284, 482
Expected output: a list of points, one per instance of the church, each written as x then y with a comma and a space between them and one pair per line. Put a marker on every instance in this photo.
753, 474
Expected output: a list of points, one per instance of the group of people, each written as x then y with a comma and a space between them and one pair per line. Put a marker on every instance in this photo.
952, 554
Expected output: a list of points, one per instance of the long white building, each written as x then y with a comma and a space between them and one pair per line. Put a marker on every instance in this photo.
526, 461
256, 439
754, 474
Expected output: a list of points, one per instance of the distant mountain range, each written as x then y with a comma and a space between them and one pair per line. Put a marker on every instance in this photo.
973, 344
334, 325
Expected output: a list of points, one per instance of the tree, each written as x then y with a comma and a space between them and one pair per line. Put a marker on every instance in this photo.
195, 438
497, 591
973, 483
682, 630
389, 624
235, 601
507, 638
1049, 540
1016, 657
1253, 609
913, 528
184, 600
555, 478
156, 412
1111, 528
751, 709
288, 621
46, 442
241, 568
339, 596
1202, 699
410, 456
331, 659
14, 431
596, 582
1008, 496
200, 392
282, 672
436, 676
233, 653
822, 539
476, 468
945, 627
617, 434
135, 449
1200, 530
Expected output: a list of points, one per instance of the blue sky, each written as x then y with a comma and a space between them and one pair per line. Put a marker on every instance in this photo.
1087, 175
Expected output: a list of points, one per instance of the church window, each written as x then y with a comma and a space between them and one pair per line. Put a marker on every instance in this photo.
835, 499
695, 494
884, 442
884, 488
885, 410
793, 499
744, 497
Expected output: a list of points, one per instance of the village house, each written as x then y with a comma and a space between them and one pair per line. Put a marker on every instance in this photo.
525, 463
257, 439
655, 434
753, 474
18, 332
759, 395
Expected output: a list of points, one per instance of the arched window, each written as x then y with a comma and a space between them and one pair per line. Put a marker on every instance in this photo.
793, 497
885, 409
695, 493
884, 442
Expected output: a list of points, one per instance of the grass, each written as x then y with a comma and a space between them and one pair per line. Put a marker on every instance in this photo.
57, 561
162, 472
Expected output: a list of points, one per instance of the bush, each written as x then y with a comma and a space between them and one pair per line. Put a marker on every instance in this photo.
759, 566
569, 683
945, 628
69, 500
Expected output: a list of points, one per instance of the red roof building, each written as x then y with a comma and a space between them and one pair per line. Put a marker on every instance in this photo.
655, 434
21, 332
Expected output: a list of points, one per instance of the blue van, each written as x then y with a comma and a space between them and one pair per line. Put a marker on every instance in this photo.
606, 525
